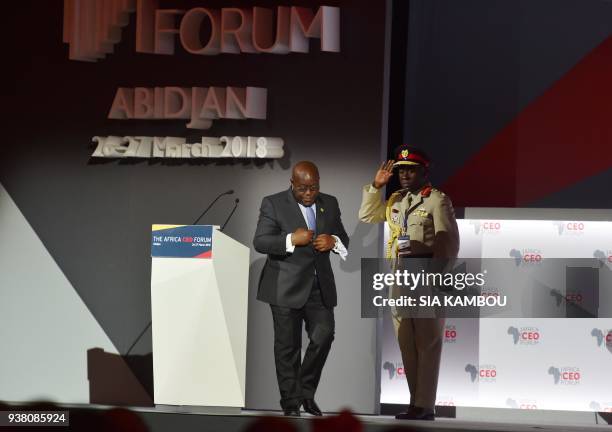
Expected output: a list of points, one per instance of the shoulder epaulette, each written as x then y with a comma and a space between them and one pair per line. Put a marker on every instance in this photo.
438, 191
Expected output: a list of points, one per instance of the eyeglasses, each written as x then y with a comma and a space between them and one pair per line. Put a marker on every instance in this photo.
303, 189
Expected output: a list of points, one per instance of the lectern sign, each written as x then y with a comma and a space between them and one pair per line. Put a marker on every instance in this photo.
181, 241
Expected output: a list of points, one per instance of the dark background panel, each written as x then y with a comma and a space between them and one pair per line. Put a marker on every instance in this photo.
473, 66
94, 216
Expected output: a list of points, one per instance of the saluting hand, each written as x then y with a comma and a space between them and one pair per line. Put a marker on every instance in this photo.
383, 175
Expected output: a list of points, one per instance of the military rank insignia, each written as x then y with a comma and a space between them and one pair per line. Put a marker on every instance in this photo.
421, 212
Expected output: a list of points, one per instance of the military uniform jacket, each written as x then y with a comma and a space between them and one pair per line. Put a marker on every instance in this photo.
429, 214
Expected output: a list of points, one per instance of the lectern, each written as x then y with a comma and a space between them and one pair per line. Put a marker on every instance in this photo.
199, 302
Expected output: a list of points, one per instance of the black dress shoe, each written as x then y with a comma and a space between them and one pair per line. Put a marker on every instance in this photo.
416, 413
310, 406
292, 412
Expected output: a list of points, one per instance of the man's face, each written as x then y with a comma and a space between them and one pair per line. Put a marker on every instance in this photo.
411, 177
305, 189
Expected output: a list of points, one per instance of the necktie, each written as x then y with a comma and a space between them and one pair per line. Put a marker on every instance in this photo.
312, 224
310, 219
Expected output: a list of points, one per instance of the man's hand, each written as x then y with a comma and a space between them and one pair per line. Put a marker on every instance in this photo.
301, 236
324, 243
383, 175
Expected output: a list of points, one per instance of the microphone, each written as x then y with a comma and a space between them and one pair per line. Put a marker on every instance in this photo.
231, 214
229, 192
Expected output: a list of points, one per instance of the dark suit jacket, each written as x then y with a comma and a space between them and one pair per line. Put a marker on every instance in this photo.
287, 278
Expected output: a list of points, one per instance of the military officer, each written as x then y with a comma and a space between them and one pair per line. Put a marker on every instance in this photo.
422, 223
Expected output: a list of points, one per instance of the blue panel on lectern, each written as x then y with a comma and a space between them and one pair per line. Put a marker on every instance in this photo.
181, 241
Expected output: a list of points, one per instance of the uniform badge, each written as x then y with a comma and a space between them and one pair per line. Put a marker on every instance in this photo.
422, 212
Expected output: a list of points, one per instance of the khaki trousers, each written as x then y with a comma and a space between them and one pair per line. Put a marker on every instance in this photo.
420, 341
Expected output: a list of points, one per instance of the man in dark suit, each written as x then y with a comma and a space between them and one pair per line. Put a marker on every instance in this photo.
297, 229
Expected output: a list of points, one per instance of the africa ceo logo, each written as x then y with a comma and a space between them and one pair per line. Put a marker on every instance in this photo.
450, 334
486, 226
526, 256
394, 370
524, 335
603, 338
525, 404
604, 257
567, 375
485, 373
569, 228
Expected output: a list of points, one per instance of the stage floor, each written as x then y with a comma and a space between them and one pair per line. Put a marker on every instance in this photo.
164, 418
161, 420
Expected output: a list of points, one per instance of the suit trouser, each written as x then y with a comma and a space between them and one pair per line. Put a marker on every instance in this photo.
420, 341
298, 379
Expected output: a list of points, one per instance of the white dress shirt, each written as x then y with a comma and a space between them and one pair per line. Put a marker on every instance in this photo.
339, 247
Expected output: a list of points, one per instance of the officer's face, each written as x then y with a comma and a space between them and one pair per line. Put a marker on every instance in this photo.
411, 177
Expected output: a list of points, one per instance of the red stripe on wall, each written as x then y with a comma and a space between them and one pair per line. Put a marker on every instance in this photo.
561, 138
